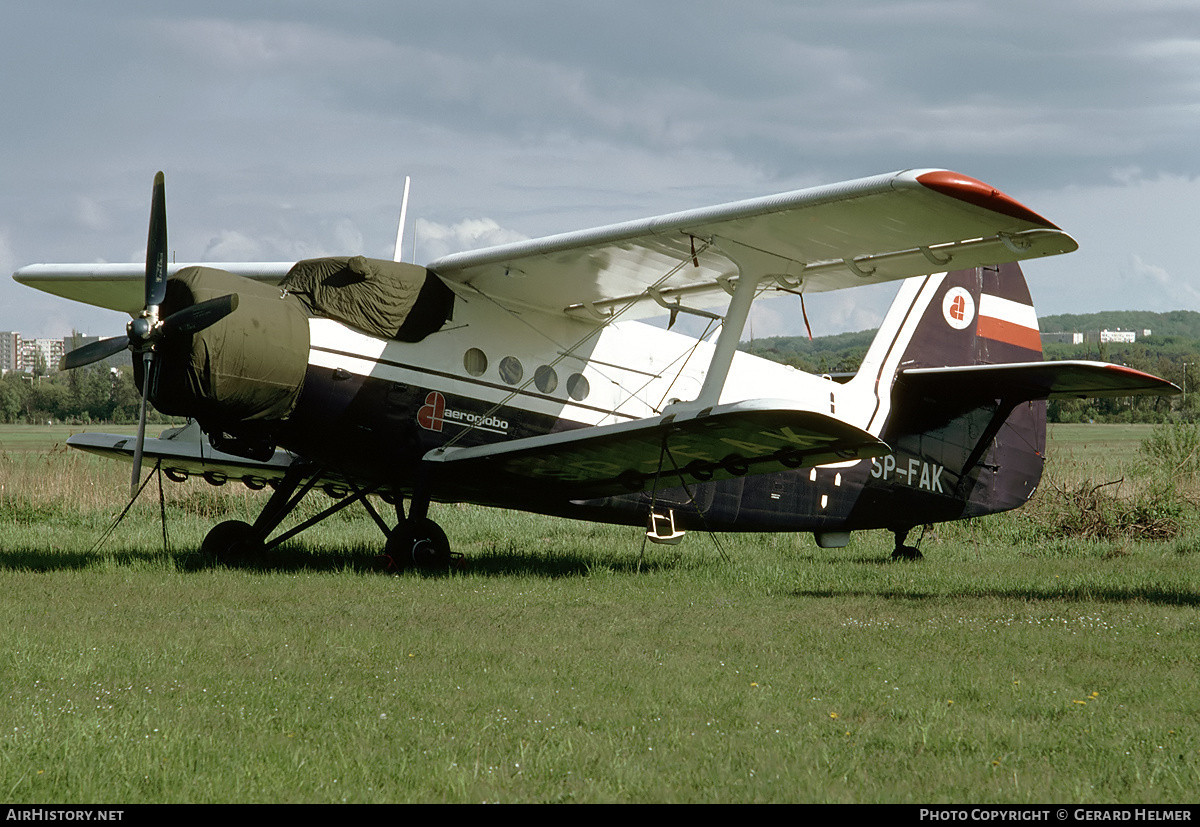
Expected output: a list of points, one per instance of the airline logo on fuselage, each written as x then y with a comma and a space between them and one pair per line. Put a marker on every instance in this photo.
434, 414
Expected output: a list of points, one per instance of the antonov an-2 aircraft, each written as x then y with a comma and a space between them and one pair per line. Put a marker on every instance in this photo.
519, 377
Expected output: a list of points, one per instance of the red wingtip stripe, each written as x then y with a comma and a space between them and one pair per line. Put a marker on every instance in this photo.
1128, 371
973, 191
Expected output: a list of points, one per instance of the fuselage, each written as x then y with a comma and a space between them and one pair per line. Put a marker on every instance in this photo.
372, 408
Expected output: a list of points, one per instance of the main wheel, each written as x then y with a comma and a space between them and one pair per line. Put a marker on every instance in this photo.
420, 543
232, 542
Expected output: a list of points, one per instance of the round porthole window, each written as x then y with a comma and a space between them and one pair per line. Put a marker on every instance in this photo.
577, 387
546, 379
475, 361
511, 370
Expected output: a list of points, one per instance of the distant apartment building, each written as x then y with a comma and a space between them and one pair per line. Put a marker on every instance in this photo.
1062, 338
10, 348
43, 355
40, 355
1118, 336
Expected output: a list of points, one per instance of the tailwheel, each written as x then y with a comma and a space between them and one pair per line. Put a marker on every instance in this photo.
902, 551
419, 543
907, 553
232, 542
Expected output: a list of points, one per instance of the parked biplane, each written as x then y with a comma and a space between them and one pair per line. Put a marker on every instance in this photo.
519, 376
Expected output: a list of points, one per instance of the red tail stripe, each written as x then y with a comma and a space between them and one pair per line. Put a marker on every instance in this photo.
1010, 333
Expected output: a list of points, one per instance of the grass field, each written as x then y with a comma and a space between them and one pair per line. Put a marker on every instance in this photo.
49, 438
1011, 665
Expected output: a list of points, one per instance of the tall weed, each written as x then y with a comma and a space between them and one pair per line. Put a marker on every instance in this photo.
1149, 500
1173, 449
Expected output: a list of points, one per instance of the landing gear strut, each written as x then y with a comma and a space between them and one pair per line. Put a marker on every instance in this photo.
902, 551
416, 541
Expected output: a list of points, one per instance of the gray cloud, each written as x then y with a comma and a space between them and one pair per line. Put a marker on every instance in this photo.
286, 130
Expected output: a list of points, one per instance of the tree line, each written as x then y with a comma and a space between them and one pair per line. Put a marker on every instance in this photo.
1175, 358
95, 394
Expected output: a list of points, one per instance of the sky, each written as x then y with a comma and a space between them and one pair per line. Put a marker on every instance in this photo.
286, 129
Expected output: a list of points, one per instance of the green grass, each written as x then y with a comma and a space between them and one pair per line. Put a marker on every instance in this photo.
560, 667
1112, 445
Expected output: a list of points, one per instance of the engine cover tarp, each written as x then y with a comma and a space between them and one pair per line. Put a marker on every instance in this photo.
248, 366
385, 299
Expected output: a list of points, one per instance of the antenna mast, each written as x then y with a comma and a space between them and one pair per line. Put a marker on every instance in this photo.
403, 213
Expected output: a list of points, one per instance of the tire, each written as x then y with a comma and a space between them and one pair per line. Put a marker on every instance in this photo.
232, 542
421, 544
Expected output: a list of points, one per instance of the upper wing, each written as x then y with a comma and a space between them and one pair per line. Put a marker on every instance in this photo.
860, 232
1039, 380
756, 436
865, 231
123, 286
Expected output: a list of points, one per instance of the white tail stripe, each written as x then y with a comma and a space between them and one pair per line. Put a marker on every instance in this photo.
1007, 310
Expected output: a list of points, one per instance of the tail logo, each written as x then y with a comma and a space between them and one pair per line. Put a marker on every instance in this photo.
958, 308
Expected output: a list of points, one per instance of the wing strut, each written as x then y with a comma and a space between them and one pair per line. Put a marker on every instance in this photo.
754, 267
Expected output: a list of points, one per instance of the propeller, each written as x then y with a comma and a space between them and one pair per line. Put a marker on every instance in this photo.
144, 334
93, 352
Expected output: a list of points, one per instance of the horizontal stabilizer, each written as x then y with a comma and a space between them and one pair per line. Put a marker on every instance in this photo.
752, 437
1037, 380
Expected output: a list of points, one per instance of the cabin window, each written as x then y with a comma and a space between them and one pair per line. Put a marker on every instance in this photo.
511, 370
577, 387
475, 362
546, 379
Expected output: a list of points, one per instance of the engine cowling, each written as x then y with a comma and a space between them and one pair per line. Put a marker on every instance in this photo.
247, 368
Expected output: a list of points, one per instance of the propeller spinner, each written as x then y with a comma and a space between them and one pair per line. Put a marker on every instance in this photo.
144, 334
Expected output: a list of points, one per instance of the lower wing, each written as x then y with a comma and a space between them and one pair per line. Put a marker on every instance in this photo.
751, 437
186, 452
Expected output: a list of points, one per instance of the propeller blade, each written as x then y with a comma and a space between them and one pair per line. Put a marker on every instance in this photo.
199, 316
93, 352
156, 245
147, 379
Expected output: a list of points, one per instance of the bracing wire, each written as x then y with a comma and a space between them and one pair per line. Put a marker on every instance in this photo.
567, 352
132, 500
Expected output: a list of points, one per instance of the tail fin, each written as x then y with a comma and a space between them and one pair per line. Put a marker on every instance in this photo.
955, 383
980, 316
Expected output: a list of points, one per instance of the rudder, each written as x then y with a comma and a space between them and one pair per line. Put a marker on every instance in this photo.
980, 316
